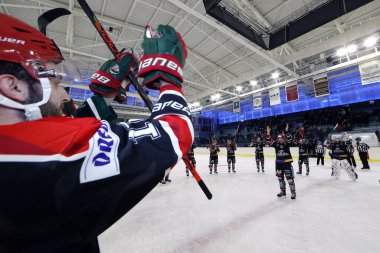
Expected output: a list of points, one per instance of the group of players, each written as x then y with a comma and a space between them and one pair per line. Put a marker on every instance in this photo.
341, 152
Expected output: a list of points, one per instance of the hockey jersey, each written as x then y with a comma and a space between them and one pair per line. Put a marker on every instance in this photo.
64, 181
214, 149
231, 149
190, 153
282, 150
362, 147
320, 149
339, 150
303, 150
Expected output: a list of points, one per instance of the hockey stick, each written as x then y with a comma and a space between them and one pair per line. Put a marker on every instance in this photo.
90, 14
49, 16
111, 46
337, 124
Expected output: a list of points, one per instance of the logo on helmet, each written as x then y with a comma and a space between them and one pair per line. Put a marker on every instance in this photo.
12, 40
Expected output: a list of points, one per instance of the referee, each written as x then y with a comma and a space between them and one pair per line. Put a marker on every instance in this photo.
363, 152
320, 151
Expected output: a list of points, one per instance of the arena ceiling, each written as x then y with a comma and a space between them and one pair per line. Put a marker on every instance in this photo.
219, 59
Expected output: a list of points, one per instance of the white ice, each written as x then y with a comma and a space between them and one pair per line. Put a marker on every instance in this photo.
245, 215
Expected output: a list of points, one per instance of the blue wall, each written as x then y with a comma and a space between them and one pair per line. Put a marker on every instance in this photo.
345, 88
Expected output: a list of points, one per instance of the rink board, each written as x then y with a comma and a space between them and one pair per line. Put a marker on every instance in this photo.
374, 153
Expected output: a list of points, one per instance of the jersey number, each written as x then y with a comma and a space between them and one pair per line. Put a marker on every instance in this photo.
149, 130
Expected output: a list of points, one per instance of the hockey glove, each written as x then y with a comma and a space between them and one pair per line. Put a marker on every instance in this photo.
164, 56
121, 96
107, 80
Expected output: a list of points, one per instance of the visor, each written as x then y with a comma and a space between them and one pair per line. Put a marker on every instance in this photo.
65, 71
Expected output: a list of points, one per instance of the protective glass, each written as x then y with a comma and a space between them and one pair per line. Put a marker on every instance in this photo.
65, 71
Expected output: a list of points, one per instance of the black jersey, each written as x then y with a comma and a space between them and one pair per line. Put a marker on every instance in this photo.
303, 150
339, 150
350, 149
64, 181
259, 148
231, 149
190, 153
214, 149
283, 154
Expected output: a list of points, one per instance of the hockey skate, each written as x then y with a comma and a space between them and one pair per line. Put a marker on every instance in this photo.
293, 196
281, 194
307, 173
355, 176
299, 172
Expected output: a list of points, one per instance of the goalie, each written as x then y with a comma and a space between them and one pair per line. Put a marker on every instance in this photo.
339, 155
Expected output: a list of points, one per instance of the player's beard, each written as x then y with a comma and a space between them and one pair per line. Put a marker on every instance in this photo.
47, 110
51, 110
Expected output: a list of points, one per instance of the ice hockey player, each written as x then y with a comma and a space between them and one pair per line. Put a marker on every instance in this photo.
231, 147
259, 153
190, 156
303, 156
363, 153
283, 162
339, 153
320, 151
214, 150
67, 180
351, 150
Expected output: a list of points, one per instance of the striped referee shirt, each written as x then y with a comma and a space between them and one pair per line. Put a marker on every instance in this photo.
320, 149
362, 147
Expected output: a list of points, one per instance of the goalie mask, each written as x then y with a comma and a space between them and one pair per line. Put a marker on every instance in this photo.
38, 55
344, 137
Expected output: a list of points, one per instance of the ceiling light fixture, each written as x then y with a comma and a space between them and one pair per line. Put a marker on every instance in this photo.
352, 48
371, 41
341, 51
275, 75
253, 82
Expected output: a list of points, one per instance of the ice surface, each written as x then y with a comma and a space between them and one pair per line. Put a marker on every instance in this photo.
245, 215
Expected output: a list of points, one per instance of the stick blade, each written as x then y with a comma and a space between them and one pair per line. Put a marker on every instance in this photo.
49, 16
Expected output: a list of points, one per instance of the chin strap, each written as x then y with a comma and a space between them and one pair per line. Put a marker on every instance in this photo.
32, 111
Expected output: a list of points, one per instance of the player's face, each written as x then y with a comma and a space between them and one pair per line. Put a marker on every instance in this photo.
281, 140
213, 142
54, 107
228, 142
